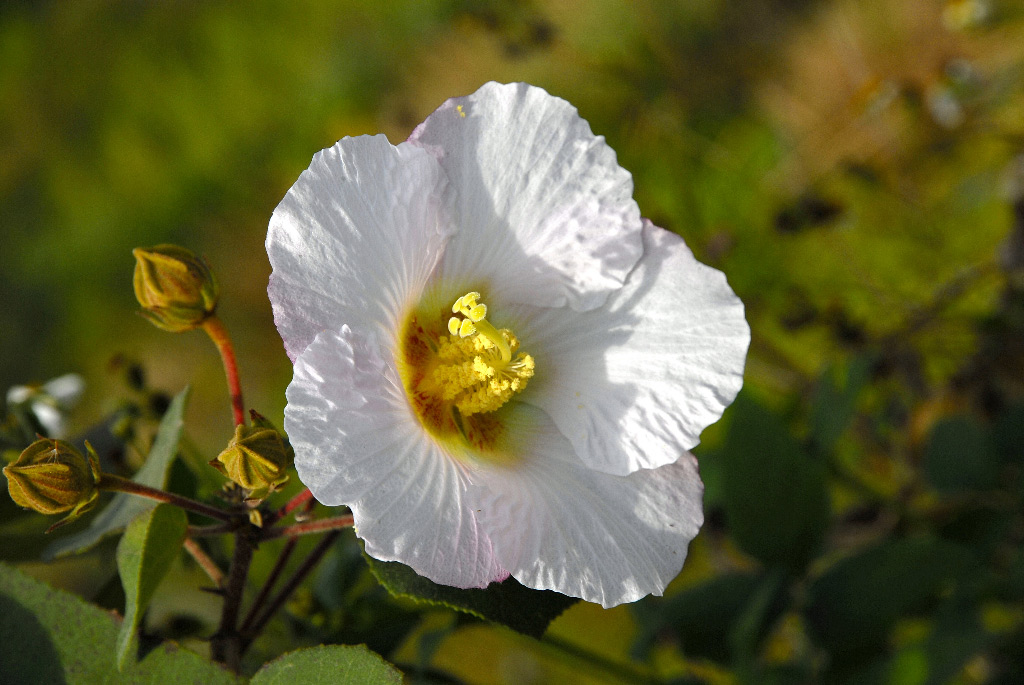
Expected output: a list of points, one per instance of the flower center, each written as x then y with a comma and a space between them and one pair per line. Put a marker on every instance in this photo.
476, 371
455, 381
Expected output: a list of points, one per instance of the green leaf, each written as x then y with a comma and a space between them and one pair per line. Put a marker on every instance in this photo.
759, 615
520, 608
959, 456
144, 555
775, 500
834, 404
1008, 434
957, 636
336, 664
124, 507
717, 618
855, 603
51, 636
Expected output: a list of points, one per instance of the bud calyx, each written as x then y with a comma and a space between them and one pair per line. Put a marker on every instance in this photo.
257, 458
52, 477
175, 287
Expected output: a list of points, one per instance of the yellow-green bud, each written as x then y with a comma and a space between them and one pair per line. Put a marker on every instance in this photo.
257, 458
175, 287
53, 477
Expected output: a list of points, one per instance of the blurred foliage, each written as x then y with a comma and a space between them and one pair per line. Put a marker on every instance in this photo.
856, 167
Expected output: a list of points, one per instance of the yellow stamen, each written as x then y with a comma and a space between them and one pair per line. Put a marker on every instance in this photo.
476, 371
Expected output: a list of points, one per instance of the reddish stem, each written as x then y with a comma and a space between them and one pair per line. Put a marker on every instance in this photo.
204, 561
307, 527
275, 573
219, 335
306, 501
289, 587
118, 484
294, 503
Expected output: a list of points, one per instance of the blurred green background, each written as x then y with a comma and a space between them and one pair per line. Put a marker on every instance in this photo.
855, 168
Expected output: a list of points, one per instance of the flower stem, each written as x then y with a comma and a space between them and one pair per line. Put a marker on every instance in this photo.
289, 587
226, 645
305, 500
268, 585
308, 527
215, 529
219, 335
118, 484
204, 561
294, 503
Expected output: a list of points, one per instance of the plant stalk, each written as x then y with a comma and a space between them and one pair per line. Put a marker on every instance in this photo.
117, 484
219, 335
227, 644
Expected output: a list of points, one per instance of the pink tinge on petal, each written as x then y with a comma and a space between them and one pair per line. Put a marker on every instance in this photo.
355, 239
357, 444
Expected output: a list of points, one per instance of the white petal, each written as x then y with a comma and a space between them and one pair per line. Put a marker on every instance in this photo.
66, 389
540, 201
634, 383
355, 238
558, 525
357, 443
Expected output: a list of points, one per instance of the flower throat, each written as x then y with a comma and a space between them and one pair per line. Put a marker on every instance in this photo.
473, 370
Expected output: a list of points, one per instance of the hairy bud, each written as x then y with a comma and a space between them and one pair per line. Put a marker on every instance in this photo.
257, 458
53, 477
175, 287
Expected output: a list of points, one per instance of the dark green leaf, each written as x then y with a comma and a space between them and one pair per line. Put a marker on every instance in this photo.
336, 664
855, 603
1010, 586
978, 526
508, 603
834, 403
714, 618
1008, 434
149, 544
50, 636
959, 456
124, 507
775, 500
956, 638
757, 618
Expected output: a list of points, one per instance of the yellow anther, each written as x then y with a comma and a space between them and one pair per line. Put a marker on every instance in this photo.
477, 373
477, 313
465, 303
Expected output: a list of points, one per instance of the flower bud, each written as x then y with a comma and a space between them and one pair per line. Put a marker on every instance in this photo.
257, 458
175, 287
52, 477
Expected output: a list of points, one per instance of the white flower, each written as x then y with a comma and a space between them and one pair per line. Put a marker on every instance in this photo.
48, 404
550, 442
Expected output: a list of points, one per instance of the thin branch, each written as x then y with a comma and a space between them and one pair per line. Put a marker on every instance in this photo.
116, 483
297, 577
304, 498
204, 561
264, 592
216, 529
219, 335
308, 527
226, 645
